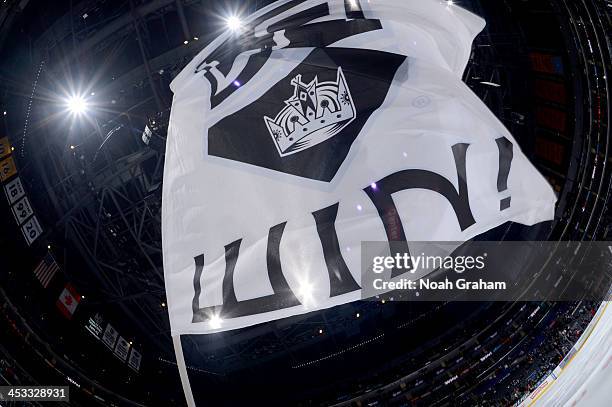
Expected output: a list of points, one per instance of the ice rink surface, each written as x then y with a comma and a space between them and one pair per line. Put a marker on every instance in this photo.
584, 378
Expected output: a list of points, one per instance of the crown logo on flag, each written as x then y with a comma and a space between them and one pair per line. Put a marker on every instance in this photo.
316, 112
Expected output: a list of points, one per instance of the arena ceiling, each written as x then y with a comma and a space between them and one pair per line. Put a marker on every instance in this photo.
95, 181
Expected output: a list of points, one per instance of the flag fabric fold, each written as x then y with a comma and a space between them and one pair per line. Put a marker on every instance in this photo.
320, 125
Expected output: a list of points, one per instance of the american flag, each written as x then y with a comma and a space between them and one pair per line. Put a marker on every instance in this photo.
46, 269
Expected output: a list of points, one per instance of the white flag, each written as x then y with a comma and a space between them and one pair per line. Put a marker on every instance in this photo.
316, 126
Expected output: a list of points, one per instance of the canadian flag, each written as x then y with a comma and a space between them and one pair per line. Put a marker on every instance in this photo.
68, 301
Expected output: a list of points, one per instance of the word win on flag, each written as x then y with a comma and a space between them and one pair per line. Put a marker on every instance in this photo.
309, 132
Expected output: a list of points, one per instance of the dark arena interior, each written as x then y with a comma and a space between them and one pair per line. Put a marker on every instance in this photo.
86, 103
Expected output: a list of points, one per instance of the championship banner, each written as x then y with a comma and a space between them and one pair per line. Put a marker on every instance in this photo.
31, 230
16, 195
94, 325
14, 190
135, 360
22, 210
122, 348
5, 147
7, 168
316, 126
109, 338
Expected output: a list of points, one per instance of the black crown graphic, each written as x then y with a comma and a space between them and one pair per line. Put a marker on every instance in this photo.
316, 112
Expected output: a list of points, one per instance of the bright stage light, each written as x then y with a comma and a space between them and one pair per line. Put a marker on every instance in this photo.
305, 293
233, 23
77, 105
215, 321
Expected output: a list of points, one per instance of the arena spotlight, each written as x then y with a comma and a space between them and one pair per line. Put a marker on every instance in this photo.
305, 293
215, 321
76, 104
233, 23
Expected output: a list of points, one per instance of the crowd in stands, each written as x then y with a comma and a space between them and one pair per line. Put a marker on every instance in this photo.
498, 366
540, 356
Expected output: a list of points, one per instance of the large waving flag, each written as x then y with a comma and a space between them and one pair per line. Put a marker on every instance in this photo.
314, 127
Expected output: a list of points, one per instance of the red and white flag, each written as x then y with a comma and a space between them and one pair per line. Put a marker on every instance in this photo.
68, 301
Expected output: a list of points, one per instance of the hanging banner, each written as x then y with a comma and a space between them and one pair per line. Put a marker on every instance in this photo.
110, 337
16, 195
122, 348
7, 168
46, 270
14, 190
31, 230
5, 147
94, 325
22, 210
314, 128
135, 359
